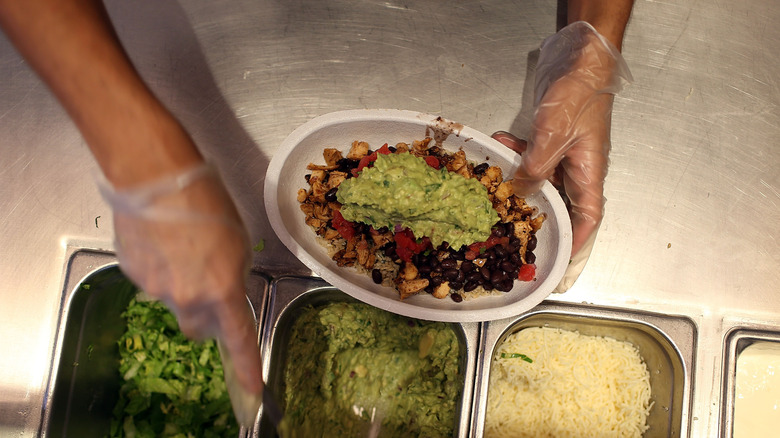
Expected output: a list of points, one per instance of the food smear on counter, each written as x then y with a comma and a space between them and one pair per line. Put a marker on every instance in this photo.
349, 363
171, 386
422, 219
757, 391
575, 386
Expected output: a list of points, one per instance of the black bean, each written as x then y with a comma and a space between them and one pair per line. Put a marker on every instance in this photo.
376, 275
461, 277
531, 243
346, 165
392, 149
449, 264
497, 277
530, 257
456, 297
436, 280
514, 245
505, 286
443, 247
456, 285
515, 258
330, 195
498, 231
424, 269
467, 266
510, 228
473, 277
481, 168
507, 266
485, 272
451, 274
470, 286
500, 251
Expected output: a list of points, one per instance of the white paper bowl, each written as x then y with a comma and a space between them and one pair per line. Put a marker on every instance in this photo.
286, 175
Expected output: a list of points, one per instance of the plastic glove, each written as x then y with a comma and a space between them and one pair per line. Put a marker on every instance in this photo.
182, 241
577, 74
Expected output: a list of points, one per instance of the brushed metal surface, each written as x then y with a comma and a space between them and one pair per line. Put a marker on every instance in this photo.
693, 192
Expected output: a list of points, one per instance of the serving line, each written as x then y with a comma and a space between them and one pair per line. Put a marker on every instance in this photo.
671, 344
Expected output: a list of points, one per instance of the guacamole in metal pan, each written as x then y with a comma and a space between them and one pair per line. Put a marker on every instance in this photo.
345, 359
404, 189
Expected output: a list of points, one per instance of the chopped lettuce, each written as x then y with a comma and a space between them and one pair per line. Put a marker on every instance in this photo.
172, 387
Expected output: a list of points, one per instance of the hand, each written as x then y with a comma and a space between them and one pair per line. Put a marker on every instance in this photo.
577, 74
182, 241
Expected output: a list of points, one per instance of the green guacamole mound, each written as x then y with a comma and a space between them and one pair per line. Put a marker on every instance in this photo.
345, 358
404, 189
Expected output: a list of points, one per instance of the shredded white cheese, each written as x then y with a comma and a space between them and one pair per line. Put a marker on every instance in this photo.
576, 386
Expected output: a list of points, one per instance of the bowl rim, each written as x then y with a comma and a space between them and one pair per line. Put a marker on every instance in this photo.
559, 214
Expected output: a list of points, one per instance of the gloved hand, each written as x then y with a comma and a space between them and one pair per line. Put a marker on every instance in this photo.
577, 74
182, 241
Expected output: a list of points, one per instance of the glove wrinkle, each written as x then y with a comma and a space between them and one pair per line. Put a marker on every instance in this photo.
577, 74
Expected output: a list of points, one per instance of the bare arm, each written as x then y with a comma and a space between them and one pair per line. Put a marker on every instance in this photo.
609, 17
73, 47
195, 260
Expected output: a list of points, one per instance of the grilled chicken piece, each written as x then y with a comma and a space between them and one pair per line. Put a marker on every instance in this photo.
358, 150
407, 288
332, 156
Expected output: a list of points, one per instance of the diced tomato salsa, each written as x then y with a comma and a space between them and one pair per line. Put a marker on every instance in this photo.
527, 272
343, 226
368, 160
477, 248
406, 245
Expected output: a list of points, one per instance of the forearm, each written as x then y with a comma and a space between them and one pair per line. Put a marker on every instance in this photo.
73, 47
609, 17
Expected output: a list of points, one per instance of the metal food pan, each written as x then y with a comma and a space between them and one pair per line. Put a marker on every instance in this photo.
667, 344
287, 299
85, 381
736, 341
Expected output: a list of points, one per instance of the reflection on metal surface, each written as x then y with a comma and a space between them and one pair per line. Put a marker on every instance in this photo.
694, 161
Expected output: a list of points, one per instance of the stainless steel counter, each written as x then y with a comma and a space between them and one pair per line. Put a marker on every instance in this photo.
693, 208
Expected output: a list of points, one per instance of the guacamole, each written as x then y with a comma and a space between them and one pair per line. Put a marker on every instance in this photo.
404, 189
345, 358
